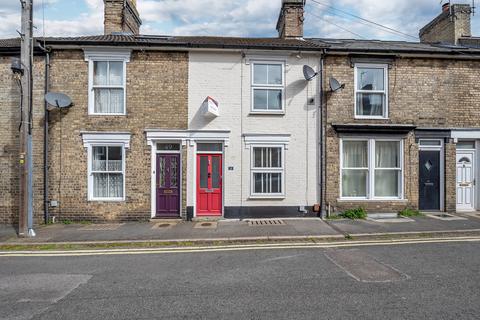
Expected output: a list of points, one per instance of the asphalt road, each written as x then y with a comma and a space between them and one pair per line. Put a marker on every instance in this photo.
415, 281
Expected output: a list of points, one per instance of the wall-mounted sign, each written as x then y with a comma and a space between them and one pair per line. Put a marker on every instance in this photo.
210, 107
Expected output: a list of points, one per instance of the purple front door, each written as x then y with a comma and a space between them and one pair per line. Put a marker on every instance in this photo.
168, 185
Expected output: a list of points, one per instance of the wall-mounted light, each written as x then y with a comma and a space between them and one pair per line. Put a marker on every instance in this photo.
16, 66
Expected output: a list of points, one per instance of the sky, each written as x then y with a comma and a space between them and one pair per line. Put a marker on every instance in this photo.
252, 18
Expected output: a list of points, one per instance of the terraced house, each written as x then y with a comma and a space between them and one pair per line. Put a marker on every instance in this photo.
192, 127
405, 130
170, 127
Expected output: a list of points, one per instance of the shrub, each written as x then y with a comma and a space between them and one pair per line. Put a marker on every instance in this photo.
409, 213
358, 213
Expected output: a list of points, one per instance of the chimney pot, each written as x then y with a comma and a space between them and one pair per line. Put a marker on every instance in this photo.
446, 7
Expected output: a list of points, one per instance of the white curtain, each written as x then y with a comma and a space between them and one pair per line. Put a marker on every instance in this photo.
355, 155
387, 155
108, 100
106, 182
354, 183
99, 159
115, 182
100, 185
387, 183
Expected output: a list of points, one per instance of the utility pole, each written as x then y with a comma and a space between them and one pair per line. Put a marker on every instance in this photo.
25, 223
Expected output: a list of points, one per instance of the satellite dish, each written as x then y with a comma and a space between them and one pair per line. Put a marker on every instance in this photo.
309, 73
335, 85
58, 100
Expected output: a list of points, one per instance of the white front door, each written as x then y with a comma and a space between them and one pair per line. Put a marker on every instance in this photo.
465, 181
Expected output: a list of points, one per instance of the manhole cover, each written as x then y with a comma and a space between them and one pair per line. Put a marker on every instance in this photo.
164, 225
265, 222
206, 225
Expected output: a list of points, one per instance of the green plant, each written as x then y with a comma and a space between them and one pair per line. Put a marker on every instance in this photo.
357, 213
67, 221
334, 217
409, 213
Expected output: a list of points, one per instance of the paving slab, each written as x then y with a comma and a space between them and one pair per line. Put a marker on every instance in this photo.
419, 224
183, 230
7, 232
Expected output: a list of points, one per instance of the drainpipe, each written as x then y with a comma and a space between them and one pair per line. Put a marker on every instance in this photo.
46, 214
321, 134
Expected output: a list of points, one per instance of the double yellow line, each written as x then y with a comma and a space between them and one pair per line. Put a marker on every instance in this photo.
239, 247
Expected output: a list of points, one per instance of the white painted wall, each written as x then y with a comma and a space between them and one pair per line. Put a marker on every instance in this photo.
226, 76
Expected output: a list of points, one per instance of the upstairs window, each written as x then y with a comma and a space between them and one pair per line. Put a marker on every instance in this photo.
371, 94
107, 81
108, 87
268, 86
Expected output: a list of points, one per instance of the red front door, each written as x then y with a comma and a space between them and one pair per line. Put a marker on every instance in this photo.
209, 185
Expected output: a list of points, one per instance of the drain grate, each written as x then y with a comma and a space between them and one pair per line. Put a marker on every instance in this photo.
102, 227
265, 222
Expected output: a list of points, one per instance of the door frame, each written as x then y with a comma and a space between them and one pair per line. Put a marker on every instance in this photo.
194, 167
440, 148
153, 161
474, 166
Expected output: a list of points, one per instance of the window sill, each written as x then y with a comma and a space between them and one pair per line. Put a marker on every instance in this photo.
266, 197
107, 114
106, 200
371, 118
270, 113
371, 200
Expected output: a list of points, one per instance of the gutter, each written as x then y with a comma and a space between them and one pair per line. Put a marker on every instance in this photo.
46, 203
321, 134
458, 56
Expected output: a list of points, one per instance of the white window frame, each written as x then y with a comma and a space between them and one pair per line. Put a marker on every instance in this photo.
254, 170
106, 56
258, 86
371, 170
384, 91
91, 140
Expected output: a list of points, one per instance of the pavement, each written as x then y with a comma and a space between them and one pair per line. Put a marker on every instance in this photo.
414, 281
234, 230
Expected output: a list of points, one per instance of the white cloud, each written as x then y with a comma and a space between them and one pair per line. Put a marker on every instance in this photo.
236, 17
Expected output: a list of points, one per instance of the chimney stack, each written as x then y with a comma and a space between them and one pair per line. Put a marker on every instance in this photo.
121, 16
450, 26
290, 21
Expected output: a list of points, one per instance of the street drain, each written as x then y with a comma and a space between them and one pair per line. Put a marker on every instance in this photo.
265, 222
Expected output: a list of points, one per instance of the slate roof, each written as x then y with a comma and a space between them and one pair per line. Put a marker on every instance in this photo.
181, 42
354, 45
308, 44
